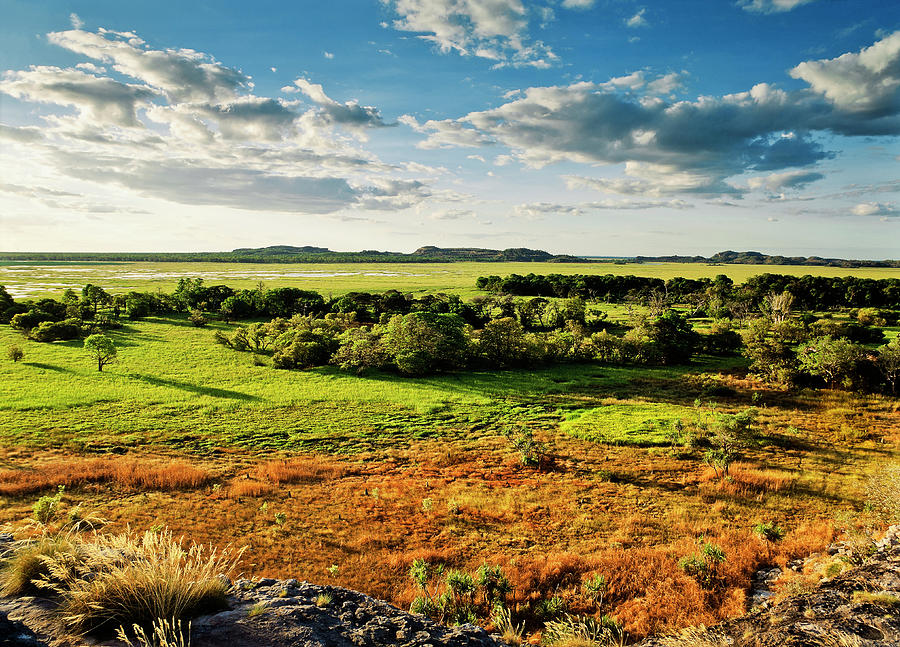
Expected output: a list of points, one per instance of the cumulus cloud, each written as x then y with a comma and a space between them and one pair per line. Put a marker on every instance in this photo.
189, 130
182, 74
98, 98
881, 209
866, 82
349, 114
490, 29
781, 182
771, 6
670, 146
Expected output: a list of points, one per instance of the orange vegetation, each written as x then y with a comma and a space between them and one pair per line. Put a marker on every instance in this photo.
129, 472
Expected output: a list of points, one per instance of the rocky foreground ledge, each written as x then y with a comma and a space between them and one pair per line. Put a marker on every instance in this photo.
856, 609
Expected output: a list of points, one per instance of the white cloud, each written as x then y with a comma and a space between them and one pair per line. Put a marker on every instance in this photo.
491, 29
867, 81
637, 20
189, 131
183, 75
781, 182
328, 55
579, 4
691, 147
881, 209
77, 22
771, 6
96, 98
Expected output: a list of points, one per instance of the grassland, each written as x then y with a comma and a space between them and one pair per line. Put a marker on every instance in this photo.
36, 279
382, 469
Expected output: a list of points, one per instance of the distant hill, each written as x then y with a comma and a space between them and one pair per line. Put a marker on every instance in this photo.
513, 254
757, 258
305, 254
275, 250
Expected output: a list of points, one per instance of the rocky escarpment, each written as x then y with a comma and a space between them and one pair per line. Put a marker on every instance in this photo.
286, 613
15, 634
859, 608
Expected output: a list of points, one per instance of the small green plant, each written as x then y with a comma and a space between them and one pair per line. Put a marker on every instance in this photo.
15, 353
324, 599
596, 586
333, 570
197, 318
701, 565
549, 608
280, 518
427, 504
494, 584
769, 531
47, 507
257, 609
882, 599
530, 451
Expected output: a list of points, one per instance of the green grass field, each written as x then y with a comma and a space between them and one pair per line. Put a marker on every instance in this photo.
174, 385
50, 279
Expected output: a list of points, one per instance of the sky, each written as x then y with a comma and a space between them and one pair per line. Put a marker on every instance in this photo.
590, 127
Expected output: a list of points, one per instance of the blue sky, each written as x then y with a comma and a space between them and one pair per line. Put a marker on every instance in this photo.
608, 127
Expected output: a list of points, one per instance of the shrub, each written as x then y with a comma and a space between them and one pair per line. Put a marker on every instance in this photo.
48, 331
197, 318
46, 508
120, 579
769, 531
15, 353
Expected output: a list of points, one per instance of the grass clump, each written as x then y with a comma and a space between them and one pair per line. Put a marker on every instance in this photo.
882, 599
573, 631
28, 563
163, 633
115, 580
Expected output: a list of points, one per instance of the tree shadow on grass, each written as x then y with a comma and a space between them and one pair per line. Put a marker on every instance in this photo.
48, 367
196, 389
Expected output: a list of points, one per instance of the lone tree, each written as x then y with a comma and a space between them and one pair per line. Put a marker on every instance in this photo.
15, 353
101, 348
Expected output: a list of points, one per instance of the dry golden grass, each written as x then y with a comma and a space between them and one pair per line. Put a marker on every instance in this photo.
244, 488
745, 478
177, 475
115, 580
300, 470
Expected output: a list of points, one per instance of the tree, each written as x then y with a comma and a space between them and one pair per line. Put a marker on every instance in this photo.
15, 353
888, 363
95, 295
426, 342
834, 360
503, 343
102, 349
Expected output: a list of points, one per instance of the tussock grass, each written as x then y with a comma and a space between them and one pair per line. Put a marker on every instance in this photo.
300, 470
29, 563
745, 478
122, 579
243, 488
129, 472
162, 633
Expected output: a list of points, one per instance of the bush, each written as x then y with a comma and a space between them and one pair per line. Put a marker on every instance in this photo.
197, 318
122, 580
48, 331
15, 353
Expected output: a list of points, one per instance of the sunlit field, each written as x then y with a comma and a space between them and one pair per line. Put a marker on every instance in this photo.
41, 279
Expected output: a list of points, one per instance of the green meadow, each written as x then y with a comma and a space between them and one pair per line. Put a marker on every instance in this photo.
41, 279
173, 385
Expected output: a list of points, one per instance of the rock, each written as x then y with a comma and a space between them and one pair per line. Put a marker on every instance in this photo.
15, 634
